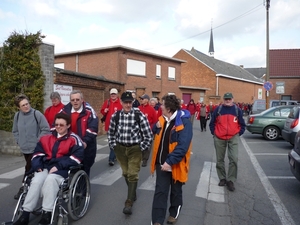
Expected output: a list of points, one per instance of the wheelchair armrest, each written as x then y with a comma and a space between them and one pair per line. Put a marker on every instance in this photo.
74, 169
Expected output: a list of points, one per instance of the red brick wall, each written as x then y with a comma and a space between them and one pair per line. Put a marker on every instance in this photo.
291, 87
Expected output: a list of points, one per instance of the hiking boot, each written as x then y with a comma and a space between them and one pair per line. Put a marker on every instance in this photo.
17, 196
230, 186
222, 182
46, 218
144, 164
171, 220
23, 220
111, 163
128, 206
156, 224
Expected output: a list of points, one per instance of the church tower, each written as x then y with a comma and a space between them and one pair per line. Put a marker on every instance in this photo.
211, 50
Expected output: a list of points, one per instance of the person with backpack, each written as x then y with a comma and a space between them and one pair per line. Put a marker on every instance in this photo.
29, 125
109, 107
52, 110
128, 135
226, 125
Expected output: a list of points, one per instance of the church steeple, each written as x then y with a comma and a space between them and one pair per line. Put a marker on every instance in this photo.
211, 50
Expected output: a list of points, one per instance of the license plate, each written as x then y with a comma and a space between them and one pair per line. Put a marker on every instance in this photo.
292, 162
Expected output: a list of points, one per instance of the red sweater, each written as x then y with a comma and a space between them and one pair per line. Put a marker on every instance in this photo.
150, 113
113, 107
51, 111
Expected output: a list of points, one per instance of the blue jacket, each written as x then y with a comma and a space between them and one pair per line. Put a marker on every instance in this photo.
61, 153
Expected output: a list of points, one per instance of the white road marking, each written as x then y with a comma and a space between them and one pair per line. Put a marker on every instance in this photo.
149, 184
3, 185
108, 177
281, 177
280, 209
101, 146
208, 184
13, 174
100, 157
271, 154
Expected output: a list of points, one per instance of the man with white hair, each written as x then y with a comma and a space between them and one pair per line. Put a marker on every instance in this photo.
109, 107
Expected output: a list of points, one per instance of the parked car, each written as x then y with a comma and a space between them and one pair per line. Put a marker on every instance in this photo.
270, 122
259, 105
292, 125
294, 157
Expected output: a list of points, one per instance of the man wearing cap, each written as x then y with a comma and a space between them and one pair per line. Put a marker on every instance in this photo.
226, 125
109, 107
151, 115
129, 133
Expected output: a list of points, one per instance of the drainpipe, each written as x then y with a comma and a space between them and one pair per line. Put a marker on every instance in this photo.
217, 86
76, 69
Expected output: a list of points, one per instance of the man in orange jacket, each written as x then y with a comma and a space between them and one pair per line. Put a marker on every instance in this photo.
171, 155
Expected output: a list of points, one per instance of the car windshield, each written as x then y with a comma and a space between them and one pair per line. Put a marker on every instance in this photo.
294, 114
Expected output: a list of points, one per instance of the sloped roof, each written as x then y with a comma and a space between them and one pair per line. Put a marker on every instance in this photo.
258, 72
119, 47
284, 63
223, 68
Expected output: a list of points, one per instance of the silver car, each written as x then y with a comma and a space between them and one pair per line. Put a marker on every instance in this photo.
292, 125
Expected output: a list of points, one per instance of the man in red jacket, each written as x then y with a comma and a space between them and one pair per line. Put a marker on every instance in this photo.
109, 107
151, 115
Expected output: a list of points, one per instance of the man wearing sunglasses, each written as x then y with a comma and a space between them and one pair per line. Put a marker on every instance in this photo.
84, 123
226, 125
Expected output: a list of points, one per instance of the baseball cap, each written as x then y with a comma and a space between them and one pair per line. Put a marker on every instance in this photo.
144, 96
113, 91
228, 95
127, 96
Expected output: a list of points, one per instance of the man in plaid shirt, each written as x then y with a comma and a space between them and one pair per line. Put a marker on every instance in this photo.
129, 134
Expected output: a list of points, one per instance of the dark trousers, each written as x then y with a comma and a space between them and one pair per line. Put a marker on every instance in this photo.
160, 200
28, 158
89, 158
203, 123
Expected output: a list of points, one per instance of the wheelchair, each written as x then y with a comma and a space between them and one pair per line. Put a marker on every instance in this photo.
72, 198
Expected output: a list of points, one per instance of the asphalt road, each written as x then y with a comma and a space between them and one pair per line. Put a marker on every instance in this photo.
266, 192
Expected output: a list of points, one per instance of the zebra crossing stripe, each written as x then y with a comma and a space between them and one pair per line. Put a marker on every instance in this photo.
149, 184
108, 177
99, 157
13, 174
3, 185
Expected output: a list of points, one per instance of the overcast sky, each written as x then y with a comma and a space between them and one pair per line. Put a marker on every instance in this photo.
159, 26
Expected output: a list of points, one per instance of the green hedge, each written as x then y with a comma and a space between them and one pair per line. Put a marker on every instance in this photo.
20, 72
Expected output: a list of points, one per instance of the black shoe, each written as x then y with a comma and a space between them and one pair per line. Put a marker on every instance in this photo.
23, 220
111, 163
144, 164
46, 218
222, 182
17, 196
230, 186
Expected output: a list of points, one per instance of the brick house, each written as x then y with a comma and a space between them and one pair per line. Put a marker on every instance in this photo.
140, 71
206, 79
285, 68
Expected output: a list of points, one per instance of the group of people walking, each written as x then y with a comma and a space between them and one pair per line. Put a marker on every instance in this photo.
135, 129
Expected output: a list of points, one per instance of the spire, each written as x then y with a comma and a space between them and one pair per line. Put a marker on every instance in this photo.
211, 50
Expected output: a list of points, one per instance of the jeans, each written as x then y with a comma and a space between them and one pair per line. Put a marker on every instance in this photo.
112, 155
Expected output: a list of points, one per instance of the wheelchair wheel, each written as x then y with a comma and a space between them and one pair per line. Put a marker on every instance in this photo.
19, 210
62, 220
79, 195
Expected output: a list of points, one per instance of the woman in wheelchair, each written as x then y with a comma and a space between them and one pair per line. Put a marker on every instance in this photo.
53, 156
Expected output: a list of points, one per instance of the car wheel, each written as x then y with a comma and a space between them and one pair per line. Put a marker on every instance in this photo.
271, 133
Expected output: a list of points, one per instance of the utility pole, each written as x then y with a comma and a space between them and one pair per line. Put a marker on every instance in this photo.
267, 50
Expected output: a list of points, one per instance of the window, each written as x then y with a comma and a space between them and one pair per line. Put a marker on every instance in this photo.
135, 67
155, 94
171, 73
59, 65
158, 71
